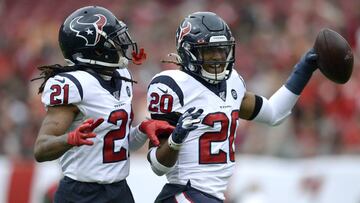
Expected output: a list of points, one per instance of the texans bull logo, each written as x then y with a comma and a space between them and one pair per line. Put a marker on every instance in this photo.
184, 30
89, 31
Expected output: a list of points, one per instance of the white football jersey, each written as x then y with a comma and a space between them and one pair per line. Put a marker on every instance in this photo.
106, 161
206, 157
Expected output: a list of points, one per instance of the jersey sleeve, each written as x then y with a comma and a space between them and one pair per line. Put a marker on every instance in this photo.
237, 75
164, 96
61, 90
243, 81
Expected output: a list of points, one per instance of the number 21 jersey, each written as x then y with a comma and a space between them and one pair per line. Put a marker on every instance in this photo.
107, 160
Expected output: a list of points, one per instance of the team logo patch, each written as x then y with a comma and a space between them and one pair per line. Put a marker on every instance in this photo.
184, 30
234, 94
116, 94
222, 95
128, 91
89, 31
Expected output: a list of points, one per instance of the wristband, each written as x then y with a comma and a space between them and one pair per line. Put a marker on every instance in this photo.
173, 145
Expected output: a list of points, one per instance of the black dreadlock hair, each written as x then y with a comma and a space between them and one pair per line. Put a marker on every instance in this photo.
49, 71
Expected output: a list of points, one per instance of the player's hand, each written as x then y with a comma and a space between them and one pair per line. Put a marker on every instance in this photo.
185, 124
308, 62
80, 135
153, 128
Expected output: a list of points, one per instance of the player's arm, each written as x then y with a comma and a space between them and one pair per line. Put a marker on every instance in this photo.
163, 157
148, 129
51, 142
59, 96
275, 109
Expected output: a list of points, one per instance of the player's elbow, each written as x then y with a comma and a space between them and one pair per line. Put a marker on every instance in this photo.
272, 120
41, 153
278, 119
271, 114
274, 123
157, 171
39, 157
158, 168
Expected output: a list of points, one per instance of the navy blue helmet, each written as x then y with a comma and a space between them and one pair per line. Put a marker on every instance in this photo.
203, 31
93, 35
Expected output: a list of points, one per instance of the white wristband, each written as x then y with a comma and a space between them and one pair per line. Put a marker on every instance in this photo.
156, 166
173, 145
136, 138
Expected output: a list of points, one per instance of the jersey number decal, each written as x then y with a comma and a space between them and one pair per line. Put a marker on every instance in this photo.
56, 92
165, 102
109, 153
205, 154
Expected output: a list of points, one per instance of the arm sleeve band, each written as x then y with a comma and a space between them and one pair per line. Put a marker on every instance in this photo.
277, 108
298, 80
302, 72
258, 105
137, 139
156, 166
172, 117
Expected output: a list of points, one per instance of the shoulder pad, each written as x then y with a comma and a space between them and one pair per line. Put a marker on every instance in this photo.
61, 90
164, 95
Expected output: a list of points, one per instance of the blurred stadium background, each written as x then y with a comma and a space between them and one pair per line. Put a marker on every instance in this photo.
312, 157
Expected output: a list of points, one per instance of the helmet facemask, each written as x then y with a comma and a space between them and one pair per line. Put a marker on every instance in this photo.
121, 41
211, 61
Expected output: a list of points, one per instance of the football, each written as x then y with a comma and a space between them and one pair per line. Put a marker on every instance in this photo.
335, 57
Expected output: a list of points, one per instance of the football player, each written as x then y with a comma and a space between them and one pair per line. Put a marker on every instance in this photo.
198, 157
89, 114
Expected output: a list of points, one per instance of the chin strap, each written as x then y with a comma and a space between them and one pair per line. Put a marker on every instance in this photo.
213, 78
101, 63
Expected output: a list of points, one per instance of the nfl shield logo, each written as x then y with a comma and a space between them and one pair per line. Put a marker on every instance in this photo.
128, 91
222, 95
116, 94
234, 94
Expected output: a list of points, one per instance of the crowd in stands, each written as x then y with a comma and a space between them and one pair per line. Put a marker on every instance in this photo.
271, 36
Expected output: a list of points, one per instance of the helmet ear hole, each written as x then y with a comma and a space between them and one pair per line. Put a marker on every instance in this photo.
77, 55
98, 52
107, 45
192, 68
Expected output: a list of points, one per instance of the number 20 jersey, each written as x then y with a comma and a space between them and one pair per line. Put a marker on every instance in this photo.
206, 157
106, 161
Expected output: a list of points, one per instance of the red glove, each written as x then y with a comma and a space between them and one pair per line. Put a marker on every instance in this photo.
79, 136
153, 128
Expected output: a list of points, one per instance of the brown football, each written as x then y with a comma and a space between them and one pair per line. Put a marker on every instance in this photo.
335, 57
